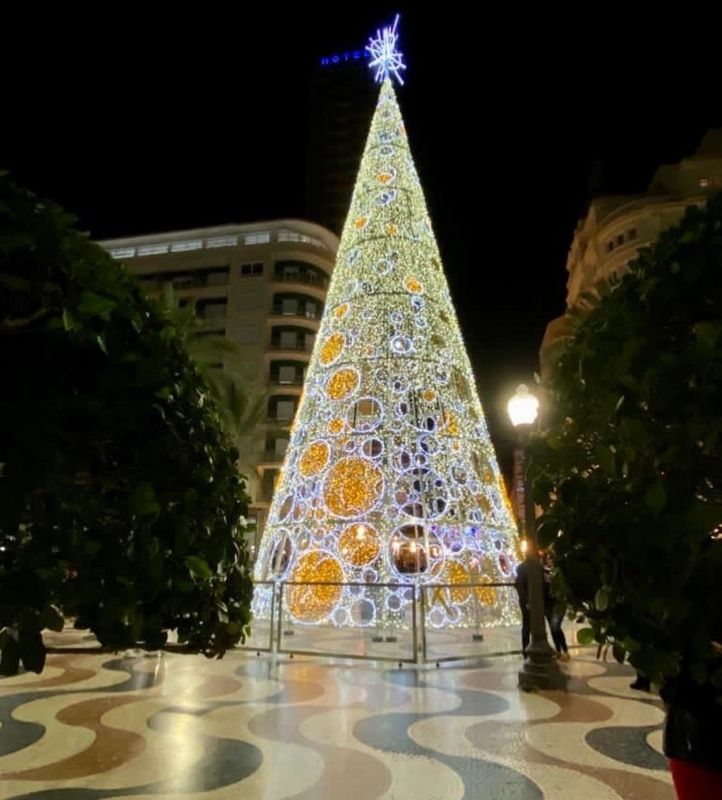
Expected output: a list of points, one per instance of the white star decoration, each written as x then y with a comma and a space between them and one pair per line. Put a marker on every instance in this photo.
384, 56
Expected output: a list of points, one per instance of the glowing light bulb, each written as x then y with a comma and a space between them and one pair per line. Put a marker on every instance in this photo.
523, 407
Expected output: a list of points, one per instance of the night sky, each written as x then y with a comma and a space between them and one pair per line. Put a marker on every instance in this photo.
143, 125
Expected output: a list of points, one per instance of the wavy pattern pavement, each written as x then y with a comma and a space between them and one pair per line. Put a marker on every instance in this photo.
94, 727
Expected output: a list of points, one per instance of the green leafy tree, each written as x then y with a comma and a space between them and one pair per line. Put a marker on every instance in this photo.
629, 469
120, 502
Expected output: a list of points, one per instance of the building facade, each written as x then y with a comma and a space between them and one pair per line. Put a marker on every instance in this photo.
342, 98
614, 228
263, 285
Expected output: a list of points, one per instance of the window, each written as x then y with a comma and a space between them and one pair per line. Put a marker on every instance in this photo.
190, 244
300, 271
287, 374
222, 241
211, 330
619, 240
123, 252
284, 410
289, 306
252, 270
216, 275
258, 238
703, 183
289, 339
182, 280
631, 234
610, 246
152, 249
212, 310
276, 445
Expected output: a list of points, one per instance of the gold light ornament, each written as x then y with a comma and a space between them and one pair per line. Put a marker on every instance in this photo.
317, 597
359, 544
343, 383
332, 348
353, 486
314, 459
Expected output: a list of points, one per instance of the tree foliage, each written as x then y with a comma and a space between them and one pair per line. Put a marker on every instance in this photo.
120, 502
628, 468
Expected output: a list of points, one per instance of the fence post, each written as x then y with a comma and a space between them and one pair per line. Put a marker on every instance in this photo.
273, 642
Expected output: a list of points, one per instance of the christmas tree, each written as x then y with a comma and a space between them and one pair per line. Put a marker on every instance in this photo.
390, 475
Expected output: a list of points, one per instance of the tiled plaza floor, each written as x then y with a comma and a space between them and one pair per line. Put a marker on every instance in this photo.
103, 726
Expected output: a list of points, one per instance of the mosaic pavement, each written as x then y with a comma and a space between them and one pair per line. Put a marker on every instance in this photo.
103, 726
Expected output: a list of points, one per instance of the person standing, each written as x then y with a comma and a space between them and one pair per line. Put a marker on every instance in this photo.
642, 683
553, 612
521, 584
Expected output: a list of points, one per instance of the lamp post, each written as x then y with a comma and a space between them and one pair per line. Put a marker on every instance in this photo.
540, 669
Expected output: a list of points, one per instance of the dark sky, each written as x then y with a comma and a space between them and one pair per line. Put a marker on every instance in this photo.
140, 124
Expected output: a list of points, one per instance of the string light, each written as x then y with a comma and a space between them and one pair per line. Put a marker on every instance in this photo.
390, 475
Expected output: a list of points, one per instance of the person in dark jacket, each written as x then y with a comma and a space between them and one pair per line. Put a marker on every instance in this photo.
521, 584
553, 612
642, 683
554, 615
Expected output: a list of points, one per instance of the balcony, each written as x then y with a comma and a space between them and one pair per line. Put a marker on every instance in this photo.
271, 460
299, 355
307, 321
283, 423
300, 277
278, 347
313, 285
212, 278
280, 310
282, 387
306, 348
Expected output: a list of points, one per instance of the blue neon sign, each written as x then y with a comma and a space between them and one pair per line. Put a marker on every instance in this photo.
341, 58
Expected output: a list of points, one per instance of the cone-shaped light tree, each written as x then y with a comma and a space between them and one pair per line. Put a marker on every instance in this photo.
390, 475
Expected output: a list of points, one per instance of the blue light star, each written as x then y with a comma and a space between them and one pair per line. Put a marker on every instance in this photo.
385, 58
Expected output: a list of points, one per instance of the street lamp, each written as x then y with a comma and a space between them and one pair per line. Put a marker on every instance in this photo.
540, 669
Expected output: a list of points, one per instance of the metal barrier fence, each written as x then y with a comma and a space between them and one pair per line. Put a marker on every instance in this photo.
365, 638
261, 636
413, 634
410, 632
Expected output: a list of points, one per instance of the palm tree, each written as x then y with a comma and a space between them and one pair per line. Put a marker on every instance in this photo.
241, 403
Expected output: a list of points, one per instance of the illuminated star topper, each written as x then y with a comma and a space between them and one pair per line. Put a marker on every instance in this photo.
384, 56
